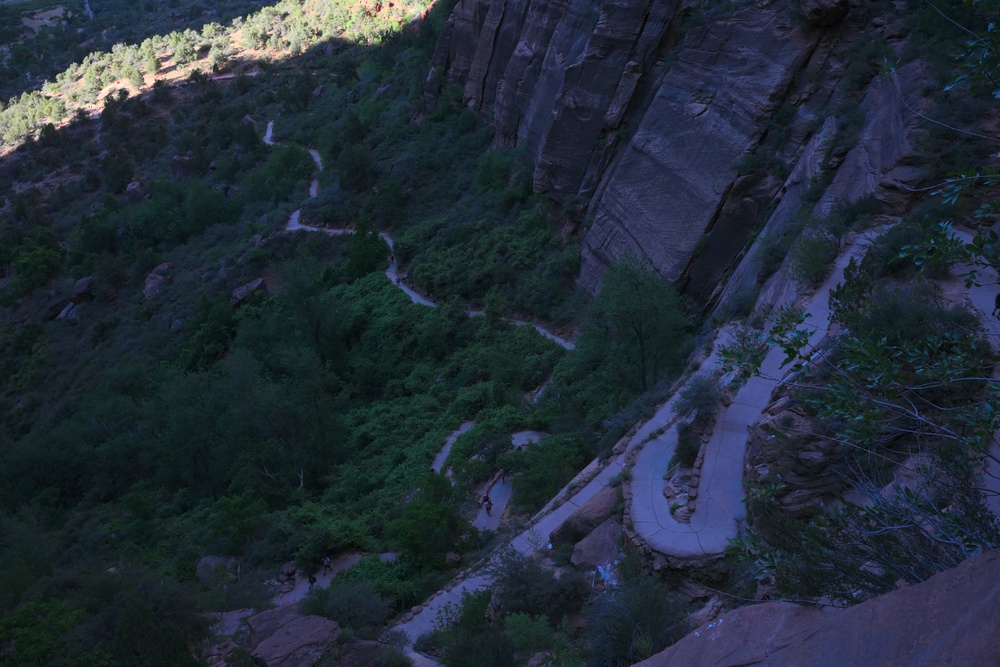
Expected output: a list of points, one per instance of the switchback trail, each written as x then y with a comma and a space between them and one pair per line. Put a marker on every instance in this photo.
719, 508
392, 273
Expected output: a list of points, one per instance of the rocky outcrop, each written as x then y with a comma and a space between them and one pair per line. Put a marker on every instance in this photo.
600, 547
823, 13
885, 161
241, 293
950, 619
588, 517
156, 279
780, 452
284, 637
666, 190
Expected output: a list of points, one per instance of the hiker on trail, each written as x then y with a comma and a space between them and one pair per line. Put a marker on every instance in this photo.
996, 306
503, 475
487, 505
326, 564
312, 581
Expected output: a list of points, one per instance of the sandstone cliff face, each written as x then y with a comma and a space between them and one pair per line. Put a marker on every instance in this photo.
950, 619
552, 75
670, 183
652, 117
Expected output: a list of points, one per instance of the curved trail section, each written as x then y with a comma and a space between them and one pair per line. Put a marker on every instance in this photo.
392, 273
719, 508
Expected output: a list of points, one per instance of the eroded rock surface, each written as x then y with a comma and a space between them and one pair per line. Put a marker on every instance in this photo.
950, 619
284, 637
665, 191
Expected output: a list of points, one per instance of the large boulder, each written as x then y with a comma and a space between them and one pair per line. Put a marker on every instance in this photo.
156, 279
600, 547
285, 637
950, 619
588, 517
241, 293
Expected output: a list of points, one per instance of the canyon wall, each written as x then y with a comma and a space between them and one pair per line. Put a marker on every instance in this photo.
677, 129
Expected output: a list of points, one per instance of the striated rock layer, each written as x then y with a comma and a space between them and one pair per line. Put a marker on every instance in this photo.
666, 190
950, 619
553, 75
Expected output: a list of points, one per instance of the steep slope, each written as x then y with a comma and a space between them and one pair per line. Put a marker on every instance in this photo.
949, 619
679, 129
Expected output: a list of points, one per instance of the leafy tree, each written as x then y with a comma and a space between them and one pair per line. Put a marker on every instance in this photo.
367, 251
634, 621
428, 528
642, 320
36, 266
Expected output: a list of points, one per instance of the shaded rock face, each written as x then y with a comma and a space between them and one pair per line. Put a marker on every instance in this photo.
597, 548
667, 188
950, 619
588, 517
284, 637
808, 465
886, 162
554, 75
824, 12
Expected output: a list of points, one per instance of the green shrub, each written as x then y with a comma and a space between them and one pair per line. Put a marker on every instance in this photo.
813, 254
633, 622
523, 584
701, 395
355, 606
688, 445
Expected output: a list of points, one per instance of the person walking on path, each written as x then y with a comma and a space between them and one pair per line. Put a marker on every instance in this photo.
996, 306
487, 503
326, 564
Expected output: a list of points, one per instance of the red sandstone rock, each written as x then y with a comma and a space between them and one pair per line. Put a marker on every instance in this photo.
950, 619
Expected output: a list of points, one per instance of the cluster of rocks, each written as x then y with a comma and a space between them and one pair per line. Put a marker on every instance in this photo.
782, 451
68, 308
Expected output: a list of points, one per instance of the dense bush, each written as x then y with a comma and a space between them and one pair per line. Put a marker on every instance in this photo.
633, 622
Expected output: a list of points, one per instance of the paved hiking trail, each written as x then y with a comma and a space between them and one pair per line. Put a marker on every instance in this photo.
392, 273
983, 297
719, 508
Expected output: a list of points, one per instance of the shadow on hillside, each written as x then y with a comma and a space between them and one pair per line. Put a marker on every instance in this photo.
182, 96
79, 35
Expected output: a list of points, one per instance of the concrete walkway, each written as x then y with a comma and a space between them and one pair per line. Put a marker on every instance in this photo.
719, 508
982, 297
533, 539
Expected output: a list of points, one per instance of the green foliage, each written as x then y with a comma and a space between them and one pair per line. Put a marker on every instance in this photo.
634, 621
355, 606
688, 445
745, 350
635, 335
523, 584
428, 528
701, 395
367, 251
544, 468
35, 268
